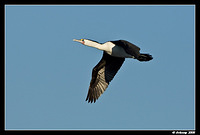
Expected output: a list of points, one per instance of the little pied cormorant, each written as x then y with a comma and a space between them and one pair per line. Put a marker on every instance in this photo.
114, 55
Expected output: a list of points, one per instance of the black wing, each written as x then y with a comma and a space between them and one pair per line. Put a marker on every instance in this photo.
128, 47
102, 74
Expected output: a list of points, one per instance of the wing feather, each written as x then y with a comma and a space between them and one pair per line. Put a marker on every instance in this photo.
102, 74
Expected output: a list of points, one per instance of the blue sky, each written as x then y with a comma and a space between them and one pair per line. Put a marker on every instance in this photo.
48, 75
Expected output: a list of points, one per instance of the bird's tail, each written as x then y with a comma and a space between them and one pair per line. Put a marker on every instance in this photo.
145, 57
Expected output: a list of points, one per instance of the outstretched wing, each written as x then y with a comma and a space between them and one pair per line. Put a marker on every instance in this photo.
102, 74
128, 47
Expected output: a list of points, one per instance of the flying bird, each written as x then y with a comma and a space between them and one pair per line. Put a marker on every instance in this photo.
114, 54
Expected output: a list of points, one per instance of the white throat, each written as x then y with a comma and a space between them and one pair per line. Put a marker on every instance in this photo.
94, 44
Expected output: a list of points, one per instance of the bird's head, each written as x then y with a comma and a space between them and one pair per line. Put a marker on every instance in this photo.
81, 41
90, 43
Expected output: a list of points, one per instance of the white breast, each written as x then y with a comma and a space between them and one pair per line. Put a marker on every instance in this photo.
115, 50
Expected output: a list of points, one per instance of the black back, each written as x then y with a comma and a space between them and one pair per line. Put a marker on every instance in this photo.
128, 47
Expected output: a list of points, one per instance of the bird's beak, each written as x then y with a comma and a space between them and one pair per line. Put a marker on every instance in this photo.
77, 40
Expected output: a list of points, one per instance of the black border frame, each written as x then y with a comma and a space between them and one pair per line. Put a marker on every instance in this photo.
60, 2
